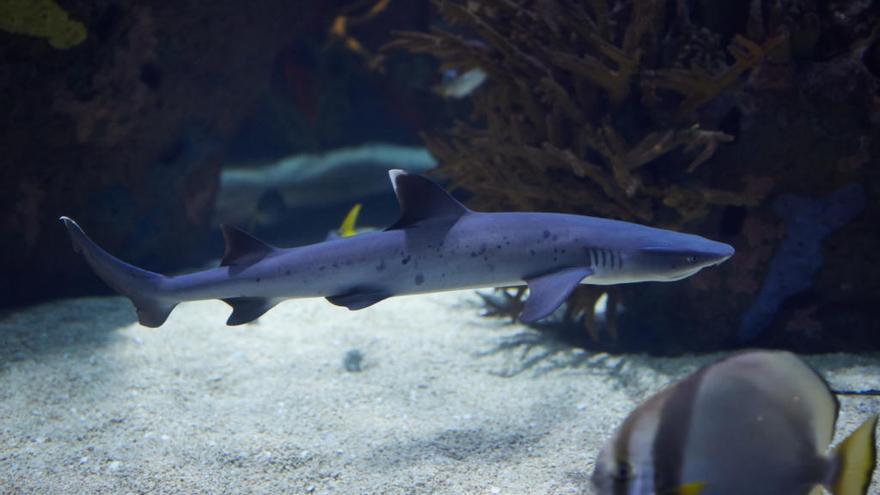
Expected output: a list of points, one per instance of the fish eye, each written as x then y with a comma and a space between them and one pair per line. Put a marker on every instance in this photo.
691, 259
622, 471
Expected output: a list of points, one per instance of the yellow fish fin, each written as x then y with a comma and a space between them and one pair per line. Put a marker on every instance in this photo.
693, 488
856, 457
347, 229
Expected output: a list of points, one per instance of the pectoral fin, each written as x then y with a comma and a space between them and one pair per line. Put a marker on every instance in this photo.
548, 292
359, 298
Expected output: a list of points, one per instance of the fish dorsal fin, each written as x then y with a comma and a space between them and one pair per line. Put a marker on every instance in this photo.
242, 248
348, 229
421, 199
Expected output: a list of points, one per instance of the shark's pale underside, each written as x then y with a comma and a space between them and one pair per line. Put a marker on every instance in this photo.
436, 245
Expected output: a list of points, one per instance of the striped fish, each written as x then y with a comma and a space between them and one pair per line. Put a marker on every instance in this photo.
756, 423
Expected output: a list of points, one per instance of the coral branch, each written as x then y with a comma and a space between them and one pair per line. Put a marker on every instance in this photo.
575, 112
698, 86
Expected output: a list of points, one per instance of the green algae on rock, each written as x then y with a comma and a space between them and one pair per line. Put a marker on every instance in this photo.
43, 19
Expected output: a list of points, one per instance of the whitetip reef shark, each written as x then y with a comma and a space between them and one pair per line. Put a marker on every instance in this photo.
437, 244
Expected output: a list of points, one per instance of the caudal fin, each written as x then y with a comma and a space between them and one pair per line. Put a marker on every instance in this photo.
144, 288
855, 458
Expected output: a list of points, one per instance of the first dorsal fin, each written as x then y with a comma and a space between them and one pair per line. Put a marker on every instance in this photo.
242, 248
421, 199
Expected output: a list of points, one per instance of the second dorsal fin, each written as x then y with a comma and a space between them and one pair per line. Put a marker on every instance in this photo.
242, 248
421, 199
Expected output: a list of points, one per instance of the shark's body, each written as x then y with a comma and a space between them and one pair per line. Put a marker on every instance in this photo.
437, 245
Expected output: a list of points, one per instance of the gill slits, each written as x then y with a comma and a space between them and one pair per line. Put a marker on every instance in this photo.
607, 259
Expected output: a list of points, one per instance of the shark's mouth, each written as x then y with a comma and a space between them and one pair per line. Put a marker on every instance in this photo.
694, 270
683, 275
717, 262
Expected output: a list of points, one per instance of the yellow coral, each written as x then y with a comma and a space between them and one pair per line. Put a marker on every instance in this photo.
43, 19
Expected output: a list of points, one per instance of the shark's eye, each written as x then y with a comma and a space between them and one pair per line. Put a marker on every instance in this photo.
691, 259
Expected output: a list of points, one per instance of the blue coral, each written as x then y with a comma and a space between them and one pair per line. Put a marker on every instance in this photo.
799, 258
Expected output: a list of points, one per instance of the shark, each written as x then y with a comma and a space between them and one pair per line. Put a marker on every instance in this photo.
437, 244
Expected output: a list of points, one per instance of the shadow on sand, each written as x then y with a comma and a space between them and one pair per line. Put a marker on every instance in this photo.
62, 326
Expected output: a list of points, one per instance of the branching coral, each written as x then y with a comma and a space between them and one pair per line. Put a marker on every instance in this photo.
582, 107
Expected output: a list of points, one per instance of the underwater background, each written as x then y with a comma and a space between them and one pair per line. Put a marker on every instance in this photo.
751, 122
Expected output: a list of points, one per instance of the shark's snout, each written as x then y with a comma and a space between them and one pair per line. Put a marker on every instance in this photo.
721, 252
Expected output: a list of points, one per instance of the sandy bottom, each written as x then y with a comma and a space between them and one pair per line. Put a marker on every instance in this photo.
441, 401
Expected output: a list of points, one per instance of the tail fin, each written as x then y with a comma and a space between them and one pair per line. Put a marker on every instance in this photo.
855, 459
141, 286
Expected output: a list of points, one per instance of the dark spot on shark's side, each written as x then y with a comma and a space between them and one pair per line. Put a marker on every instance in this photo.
497, 246
420, 279
322, 267
335, 264
380, 266
532, 252
257, 280
287, 272
555, 238
546, 234
474, 254
405, 260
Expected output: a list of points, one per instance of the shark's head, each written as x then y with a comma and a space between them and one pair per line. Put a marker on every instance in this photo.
677, 256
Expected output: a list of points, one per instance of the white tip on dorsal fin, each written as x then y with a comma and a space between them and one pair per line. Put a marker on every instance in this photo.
393, 174
421, 199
